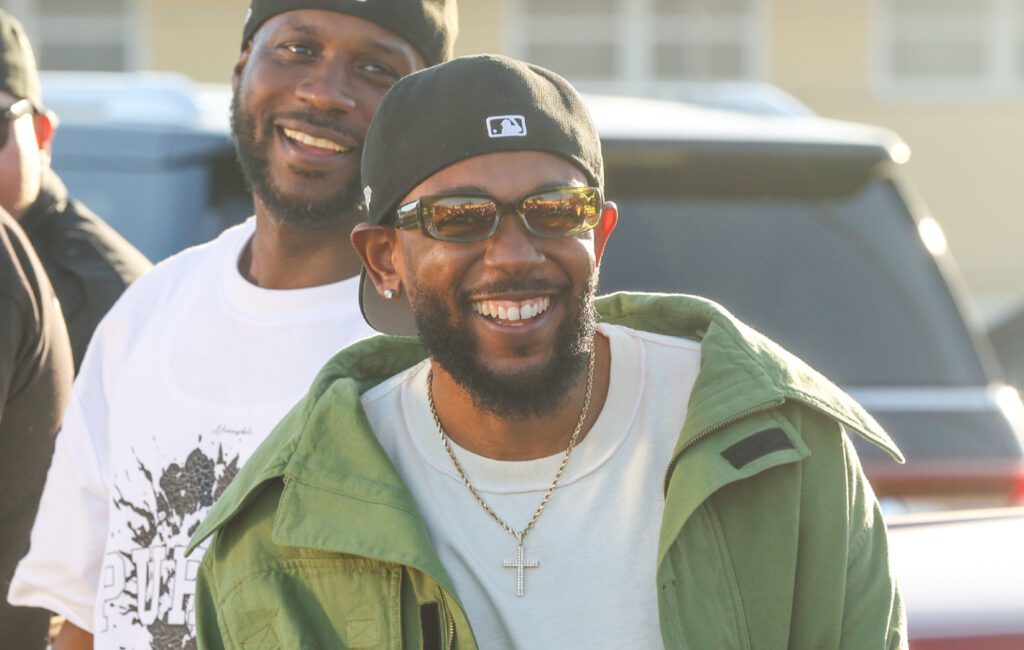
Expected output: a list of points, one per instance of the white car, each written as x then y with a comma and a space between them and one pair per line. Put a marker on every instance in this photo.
962, 578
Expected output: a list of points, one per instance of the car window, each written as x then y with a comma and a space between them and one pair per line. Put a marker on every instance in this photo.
841, 278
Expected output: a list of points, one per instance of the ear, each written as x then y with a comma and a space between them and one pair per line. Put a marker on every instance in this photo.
243, 58
45, 125
609, 218
377, 247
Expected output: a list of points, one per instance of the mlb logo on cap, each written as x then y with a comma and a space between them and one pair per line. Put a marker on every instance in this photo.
506, 126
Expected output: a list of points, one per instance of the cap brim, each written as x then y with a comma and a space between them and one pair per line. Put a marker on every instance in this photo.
386, 316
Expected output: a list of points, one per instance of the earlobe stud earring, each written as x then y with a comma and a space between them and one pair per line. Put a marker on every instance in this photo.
389, 294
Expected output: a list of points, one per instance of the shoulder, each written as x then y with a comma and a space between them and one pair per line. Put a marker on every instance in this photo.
12, 277
81, 242
22, 279
163, 293
180, 272
739, 366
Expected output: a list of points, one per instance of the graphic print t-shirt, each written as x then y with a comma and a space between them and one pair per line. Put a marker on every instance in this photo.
184, 378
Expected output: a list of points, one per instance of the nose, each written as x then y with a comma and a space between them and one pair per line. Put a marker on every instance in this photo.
327, 86
512, 249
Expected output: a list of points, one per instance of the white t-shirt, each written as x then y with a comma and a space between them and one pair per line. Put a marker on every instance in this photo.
183, 379
596, 540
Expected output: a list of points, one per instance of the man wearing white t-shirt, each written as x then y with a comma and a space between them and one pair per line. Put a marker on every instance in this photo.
540, 468
198, 361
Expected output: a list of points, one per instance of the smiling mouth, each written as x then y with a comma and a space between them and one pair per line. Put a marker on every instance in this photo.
512, 311
328, 146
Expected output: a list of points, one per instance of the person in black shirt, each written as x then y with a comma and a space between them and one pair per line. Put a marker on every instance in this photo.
36, 372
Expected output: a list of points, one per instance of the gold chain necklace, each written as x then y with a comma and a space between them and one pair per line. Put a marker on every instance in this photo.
520, 563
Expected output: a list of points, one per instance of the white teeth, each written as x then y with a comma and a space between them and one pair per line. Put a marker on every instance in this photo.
516, 311
305, 138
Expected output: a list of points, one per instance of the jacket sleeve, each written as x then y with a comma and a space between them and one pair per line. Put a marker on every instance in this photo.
208, 632
61, 572
874, 614
10, 339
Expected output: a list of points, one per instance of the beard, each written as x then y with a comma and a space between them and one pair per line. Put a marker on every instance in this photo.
526, 393
343, 207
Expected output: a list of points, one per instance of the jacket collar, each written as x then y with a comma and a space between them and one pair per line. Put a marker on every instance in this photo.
330, 457
52, 199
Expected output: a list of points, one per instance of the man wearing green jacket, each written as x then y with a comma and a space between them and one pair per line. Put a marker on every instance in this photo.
540, 468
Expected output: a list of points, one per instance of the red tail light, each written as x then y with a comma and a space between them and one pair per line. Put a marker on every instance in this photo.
1016, 494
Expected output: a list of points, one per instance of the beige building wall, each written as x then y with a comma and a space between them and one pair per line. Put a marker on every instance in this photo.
968, 152
199, 38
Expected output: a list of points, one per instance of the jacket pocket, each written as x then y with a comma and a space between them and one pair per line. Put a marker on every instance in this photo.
321, 604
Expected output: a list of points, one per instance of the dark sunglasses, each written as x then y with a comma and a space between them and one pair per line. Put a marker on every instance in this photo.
18, 109
557, 212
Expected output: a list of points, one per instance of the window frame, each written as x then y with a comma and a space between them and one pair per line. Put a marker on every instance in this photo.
1002, 42
634, 31
132, 25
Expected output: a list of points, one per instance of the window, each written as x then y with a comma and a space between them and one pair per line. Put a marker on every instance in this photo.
958, 45
92, 35
653, 47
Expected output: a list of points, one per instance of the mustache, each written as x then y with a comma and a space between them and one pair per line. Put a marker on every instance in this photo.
515, 285
323, 120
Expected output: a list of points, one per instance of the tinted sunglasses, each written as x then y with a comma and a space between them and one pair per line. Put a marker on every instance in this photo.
556, 212
17, 109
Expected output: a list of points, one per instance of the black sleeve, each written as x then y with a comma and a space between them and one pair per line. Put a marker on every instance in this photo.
12, 329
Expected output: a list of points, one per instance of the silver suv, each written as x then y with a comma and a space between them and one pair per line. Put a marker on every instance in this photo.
803, 228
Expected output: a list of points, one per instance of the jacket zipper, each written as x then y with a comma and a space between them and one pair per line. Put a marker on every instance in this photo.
451, 622
706, 432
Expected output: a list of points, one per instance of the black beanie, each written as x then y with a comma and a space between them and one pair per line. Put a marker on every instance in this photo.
18, 74
467, 107
429, 25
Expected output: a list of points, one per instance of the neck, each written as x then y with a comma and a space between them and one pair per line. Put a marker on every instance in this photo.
527, 438
286, 256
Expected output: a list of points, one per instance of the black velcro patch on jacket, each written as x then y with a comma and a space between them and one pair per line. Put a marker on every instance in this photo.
758, 445
430, 624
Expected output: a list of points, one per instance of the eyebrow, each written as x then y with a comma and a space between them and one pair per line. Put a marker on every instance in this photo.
471, 189
298, 25
384, 48
554, 184
302, 28
476, 189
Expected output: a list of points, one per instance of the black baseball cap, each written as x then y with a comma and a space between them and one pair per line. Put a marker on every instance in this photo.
429, 25
18, 73
469, 106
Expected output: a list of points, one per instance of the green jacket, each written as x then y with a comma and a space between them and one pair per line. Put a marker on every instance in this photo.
771, 536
